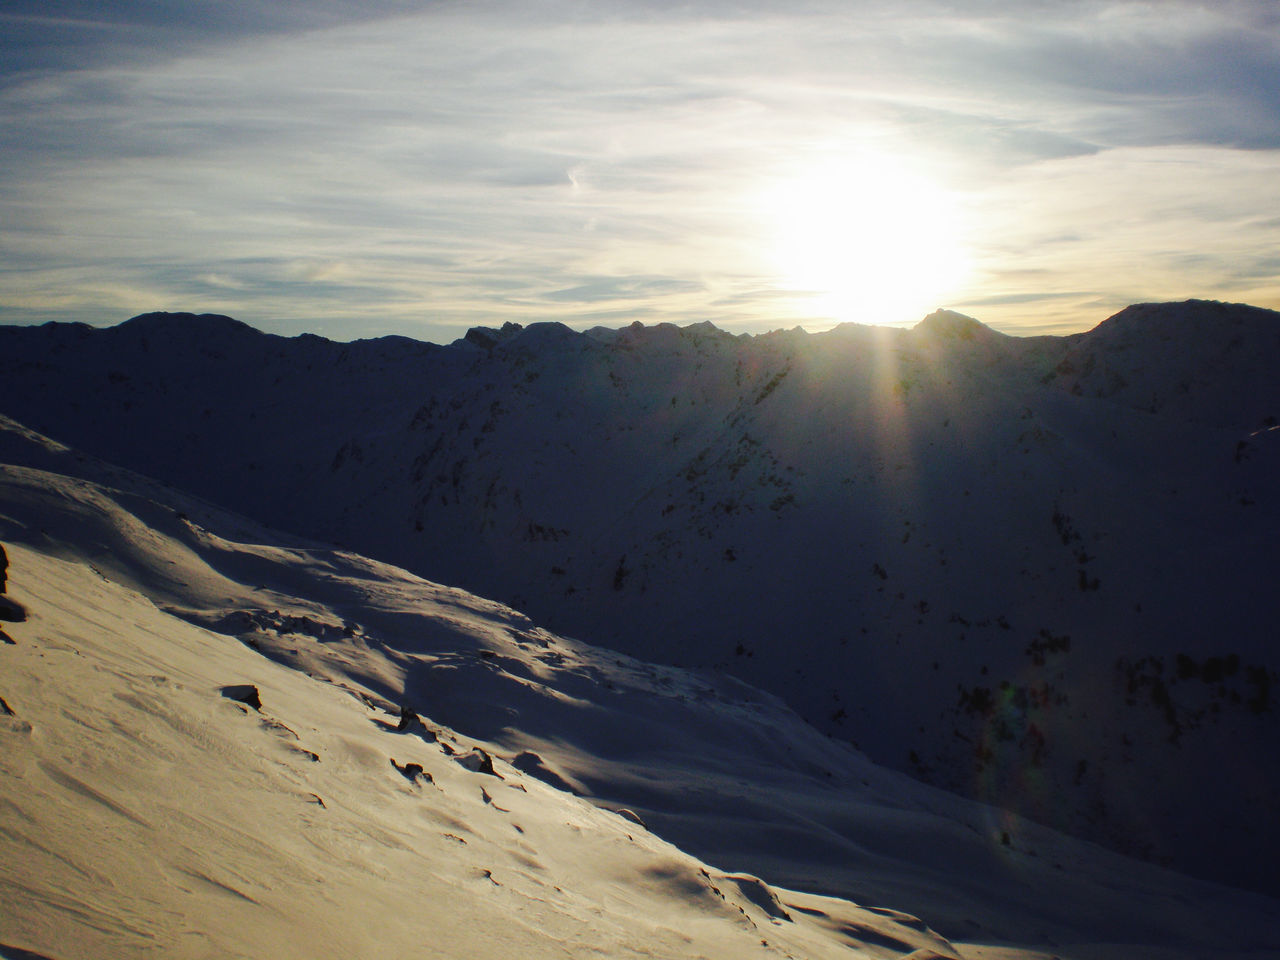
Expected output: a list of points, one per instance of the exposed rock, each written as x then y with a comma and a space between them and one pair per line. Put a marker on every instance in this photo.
245, 693
411, 722
479, 762
408, 720
631, 815
11, 610
412, 771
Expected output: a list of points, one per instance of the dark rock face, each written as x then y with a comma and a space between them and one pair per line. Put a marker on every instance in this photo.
245, 693
478, 761
10, 609
412, 771
409, 720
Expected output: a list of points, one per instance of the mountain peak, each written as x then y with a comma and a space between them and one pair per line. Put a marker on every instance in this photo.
1184, 318
162, 320
949, 325
543, 331
488, 337
706, 328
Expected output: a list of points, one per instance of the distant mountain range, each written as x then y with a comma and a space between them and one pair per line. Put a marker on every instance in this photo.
1037, 571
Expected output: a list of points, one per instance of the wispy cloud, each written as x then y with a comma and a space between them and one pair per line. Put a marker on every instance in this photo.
421, 167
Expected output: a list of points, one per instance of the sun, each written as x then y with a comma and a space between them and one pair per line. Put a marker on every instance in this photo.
865, 239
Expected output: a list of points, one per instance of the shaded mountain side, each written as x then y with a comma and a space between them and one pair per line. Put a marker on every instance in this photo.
1197, 361
223, 739
1056, 562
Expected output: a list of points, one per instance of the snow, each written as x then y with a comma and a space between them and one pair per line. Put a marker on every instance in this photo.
145, 813
149, 812
146, 809
817, 515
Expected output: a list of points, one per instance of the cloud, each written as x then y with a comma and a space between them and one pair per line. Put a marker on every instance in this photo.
477, 162
40, 36
601, 289
1178, 77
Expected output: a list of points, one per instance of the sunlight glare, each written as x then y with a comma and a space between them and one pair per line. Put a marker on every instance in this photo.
866, 239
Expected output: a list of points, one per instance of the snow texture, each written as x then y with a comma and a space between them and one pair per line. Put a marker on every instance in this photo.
1033, 571
220, 740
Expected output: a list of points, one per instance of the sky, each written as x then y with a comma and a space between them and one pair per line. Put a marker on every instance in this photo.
416, 167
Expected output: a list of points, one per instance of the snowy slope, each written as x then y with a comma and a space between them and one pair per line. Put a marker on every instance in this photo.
147, 808
1064, 543
146, 811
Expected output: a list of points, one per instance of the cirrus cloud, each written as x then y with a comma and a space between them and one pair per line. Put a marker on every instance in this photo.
481, 162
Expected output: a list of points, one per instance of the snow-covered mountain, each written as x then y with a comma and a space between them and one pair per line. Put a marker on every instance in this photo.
220, 740
1033, 570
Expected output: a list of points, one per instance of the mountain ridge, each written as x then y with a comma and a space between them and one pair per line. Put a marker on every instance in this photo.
1014, 525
